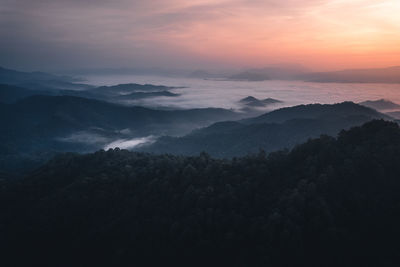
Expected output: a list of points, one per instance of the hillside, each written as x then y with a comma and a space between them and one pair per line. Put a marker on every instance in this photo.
316, 111
283, 128
251, 101
329, 202
121, 93
288, 72
381, 104
10, 94
40, 80
43, 124
379, 75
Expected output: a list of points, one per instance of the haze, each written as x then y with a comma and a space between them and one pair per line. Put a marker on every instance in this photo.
330, 34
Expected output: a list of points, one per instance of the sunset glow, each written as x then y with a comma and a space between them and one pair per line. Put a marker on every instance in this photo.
327, 34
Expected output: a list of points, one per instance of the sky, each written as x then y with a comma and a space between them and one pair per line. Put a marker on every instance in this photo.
196, 34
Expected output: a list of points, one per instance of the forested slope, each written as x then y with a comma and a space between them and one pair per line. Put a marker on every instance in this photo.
275, 130
328, 202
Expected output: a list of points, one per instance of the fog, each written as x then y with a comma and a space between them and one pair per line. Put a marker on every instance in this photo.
205, 93
129, 143
201, 93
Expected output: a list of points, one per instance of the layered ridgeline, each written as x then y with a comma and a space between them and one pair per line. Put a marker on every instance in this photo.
379, 75
123, 93
129, 93
279, 129
40, 80
388, 107
381, 104
36, 127
16, 85
251, 101
329, 202
10, 94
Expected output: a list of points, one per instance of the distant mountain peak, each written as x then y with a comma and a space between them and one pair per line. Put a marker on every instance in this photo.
255, 102
313, 111
247, 99
380, 104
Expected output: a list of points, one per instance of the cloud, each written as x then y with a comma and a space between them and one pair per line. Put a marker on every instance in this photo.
130, 143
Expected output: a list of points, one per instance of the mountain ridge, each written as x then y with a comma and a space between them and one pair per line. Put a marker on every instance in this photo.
279, 129
325, 203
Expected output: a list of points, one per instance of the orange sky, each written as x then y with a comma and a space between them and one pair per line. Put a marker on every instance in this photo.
327, 34
322, 34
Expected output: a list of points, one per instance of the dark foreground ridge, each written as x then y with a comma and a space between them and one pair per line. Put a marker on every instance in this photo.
328, 202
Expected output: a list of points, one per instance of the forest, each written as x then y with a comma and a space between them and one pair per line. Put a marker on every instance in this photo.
327, 202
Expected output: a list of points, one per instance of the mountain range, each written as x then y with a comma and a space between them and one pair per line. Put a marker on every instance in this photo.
39, 124
378, 75
276, 130
329, 202
122, 93
40, 80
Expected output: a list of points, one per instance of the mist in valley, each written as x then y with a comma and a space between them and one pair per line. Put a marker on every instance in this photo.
203, 93
200, 133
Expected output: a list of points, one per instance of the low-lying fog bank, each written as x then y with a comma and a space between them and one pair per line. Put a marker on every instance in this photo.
130, 143
202, 93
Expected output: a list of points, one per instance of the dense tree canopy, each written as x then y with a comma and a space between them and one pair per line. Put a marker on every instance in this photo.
328, 202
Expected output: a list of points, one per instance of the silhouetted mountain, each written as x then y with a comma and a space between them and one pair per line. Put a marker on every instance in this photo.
12, 76
10, 94
201, 74
250, 76
130, 88
140, 95
316, 111
394, 114
270, 73
116, 94
380, 104
283, 128
329, 202
379, 75
55, 85
125, 92
45, 124
40, 80
255, 102
74, 113
382, 75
